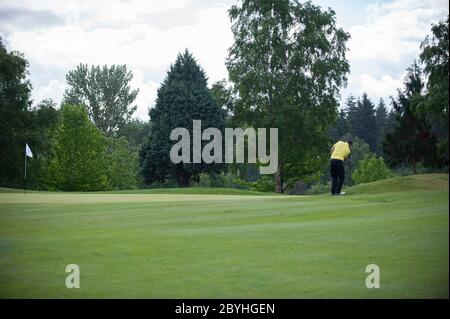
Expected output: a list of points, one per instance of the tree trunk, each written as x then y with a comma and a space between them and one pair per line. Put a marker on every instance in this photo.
279, 179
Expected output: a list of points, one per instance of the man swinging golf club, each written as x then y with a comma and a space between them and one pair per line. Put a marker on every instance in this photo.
339, 152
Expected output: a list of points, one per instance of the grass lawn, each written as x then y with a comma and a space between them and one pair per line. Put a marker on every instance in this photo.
212, 243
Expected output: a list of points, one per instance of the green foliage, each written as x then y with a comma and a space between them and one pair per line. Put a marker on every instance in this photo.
182, 97
359, 150
135, 132
341, 128
371, 169
105, 92
362, 120
79, 162
319, 188
224, 97
265, 184
381, 118
122, 164
287, 64
14, 118
40, 135
412, 140
435, 56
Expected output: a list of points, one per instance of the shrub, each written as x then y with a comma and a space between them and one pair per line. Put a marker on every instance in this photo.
264, 184
371, 169
319, 188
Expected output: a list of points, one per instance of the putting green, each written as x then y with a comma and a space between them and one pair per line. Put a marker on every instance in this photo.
185, 244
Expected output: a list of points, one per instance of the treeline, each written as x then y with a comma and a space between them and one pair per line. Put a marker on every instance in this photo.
414, 132
90, 142
286, 68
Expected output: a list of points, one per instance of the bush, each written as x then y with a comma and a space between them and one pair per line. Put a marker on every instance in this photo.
371, 169
319, 188
264, 184
224, 180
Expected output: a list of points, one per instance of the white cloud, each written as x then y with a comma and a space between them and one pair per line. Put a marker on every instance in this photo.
147, 94
91, 14
378, 87
395, 29
145, 49
381, 49
52, 90
128, 32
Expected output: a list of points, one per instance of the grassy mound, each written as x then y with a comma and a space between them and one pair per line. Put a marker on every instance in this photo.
424, 182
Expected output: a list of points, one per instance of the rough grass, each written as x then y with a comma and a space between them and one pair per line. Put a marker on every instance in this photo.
184, 245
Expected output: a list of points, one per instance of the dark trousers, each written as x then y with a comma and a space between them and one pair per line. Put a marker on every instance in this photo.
337, 176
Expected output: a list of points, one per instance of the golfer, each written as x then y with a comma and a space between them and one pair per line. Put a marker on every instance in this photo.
339, 152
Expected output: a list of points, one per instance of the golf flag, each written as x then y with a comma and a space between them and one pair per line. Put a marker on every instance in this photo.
28, 151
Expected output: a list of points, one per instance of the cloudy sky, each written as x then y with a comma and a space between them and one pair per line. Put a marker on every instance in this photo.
146, 35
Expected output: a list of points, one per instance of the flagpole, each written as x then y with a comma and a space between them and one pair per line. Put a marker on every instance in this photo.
25, 179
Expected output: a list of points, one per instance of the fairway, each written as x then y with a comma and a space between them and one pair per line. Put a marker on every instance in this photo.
219, 244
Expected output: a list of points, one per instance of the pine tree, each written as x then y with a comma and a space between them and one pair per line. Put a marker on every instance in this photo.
411, 141
380, 118
341, 129
182, 98
361, 116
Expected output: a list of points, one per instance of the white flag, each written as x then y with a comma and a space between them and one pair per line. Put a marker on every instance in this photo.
28, 151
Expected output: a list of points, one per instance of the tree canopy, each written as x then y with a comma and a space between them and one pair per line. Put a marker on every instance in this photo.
105, 92
287, 64
182, 98
15, 91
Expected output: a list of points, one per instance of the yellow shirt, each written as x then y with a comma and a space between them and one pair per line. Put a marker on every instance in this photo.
341, 151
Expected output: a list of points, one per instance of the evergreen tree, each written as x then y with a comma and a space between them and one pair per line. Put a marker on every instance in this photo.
411, 141
380, 119
182, 98
341, 129
362, 120
350, 109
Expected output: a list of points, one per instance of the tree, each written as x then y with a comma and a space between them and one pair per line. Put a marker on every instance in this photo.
14, 103
411, 141
381, 117
371, 169
79, 162
435, 57
135, 132
123, 166
362, 121
182, 98
223, 94
104, 92
287, 65
42, 123
341, 127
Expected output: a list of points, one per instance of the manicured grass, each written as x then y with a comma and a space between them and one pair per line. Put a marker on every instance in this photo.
191, 190
211, 245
